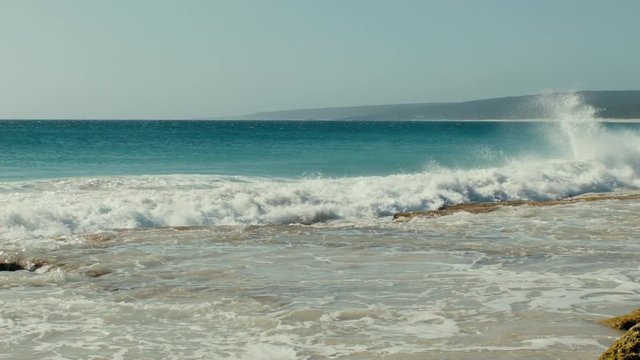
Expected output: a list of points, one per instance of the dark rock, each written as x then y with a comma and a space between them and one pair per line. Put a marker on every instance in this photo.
626, 348
17, 265
481, 208
624, 322
11, 266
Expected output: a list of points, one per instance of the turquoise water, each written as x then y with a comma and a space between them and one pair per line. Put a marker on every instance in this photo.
275, 240
132, 174
53, 149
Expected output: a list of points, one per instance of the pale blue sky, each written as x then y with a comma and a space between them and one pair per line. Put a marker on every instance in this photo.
190, 59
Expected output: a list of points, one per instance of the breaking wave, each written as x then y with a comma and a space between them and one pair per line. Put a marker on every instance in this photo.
596, 160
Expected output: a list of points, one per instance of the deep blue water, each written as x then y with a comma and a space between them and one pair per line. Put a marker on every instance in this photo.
52, 149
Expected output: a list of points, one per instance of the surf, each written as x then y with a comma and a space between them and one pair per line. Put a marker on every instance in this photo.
593, 159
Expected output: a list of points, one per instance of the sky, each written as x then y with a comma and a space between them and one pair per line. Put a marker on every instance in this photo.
156, 59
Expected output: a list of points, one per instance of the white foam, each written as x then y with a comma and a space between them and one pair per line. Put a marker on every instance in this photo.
268, 352
71, 207
596, 161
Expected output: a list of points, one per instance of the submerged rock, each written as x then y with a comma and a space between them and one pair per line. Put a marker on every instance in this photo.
97, 270
626, 348
473, 208
11, 266
18, 265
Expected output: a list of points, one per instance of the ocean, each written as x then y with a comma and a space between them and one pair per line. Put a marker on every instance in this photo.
275, 239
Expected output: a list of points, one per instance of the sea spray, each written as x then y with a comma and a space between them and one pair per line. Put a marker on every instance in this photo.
575, 120
585, 137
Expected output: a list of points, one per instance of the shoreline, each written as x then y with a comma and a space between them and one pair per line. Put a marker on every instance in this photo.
470, 297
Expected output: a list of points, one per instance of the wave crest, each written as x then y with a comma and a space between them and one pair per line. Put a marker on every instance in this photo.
72, 206
596, 160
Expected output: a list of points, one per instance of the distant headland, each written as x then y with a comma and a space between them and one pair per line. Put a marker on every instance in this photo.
607, 104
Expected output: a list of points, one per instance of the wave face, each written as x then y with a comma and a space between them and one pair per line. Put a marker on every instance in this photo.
594, 159
74, 206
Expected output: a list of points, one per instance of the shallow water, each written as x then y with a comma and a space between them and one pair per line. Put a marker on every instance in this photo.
524, 282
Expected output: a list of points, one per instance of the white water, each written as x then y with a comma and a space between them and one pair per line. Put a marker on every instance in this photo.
526, 282
596, 160
75, 206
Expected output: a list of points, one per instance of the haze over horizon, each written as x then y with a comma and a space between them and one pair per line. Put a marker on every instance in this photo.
200, 59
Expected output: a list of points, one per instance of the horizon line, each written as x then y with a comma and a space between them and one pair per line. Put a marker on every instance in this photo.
239, 117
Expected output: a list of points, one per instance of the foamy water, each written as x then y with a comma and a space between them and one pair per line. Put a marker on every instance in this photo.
46, 209
206, 266
520, 282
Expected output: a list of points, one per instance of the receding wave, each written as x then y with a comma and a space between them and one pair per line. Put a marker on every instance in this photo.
596, 160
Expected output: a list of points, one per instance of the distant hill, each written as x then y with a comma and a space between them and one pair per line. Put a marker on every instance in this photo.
608, 104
